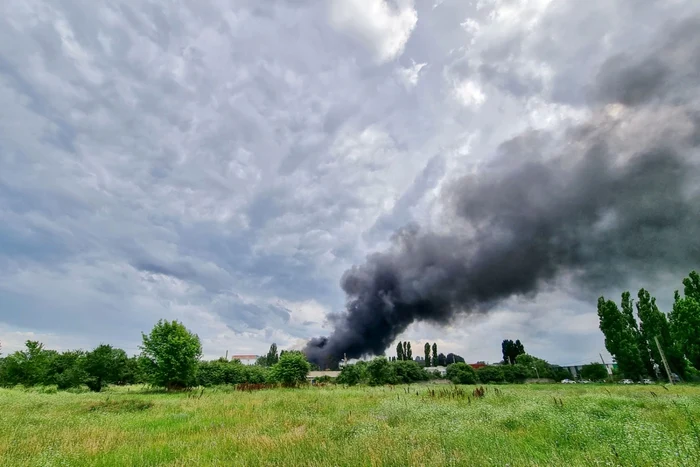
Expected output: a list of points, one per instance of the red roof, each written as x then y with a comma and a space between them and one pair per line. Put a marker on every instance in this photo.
476, 366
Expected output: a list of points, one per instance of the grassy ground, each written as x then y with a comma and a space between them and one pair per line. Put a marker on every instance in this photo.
523, 425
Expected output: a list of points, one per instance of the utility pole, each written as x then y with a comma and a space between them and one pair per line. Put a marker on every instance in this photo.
227, 355
606, 367
537, 372
663, 358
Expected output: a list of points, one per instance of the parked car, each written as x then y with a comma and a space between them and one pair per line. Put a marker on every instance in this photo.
585, 381
647, 381
568, 381
626, 381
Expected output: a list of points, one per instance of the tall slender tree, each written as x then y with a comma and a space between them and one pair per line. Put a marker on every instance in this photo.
426, 351
405, 350
654, 324
409, 352
399, 351
272, 356
435, 354
684, 320
619, 339
627, 308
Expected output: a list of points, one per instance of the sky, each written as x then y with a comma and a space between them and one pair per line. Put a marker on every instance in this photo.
223, 163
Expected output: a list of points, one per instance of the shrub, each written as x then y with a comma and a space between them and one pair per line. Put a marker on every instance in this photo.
461, 373
291, 369
408, 371
515, 373
254, 374
594, 371
380, 372
491, 374
350, 375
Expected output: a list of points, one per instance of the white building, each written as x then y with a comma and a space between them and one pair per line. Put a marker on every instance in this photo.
441, 369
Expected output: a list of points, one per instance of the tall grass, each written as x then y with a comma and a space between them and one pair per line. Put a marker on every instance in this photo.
332, 425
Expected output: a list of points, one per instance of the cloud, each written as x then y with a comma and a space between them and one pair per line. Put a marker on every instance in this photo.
224, 164
384, 26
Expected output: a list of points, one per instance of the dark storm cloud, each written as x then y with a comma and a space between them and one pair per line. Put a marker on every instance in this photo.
614, 196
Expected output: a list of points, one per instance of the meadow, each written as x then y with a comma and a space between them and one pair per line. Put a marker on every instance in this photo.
514, 425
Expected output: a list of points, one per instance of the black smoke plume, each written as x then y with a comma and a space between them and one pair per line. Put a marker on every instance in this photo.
618, 195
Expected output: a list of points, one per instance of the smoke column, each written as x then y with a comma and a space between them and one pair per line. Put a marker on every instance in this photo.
614, 196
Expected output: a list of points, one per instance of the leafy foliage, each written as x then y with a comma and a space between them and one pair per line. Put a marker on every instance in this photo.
685, 319
291, 369
511, 350
408, 371
426, 354
171, 353
620, 339
491, 374
351, 375
379, 372
104, 365
594, 372
461, 373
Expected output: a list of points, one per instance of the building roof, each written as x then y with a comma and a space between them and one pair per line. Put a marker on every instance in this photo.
318, 374
243, 357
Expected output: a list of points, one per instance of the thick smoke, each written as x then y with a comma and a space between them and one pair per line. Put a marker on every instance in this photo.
618, 195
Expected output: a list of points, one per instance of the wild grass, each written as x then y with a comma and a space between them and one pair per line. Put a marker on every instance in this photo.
417, 425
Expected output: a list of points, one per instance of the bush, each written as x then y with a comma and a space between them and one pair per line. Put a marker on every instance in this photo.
461, 373
171, 353
491, 374
350, 375
291, 369
380, 372
594, 372
515, 373
408, 371
255, 374
78, 389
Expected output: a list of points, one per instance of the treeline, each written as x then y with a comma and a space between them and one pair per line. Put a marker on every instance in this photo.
381, 370
404, 353
170, 358
639, 343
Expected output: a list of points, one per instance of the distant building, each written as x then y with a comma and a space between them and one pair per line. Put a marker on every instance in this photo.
245, 359
314, 375
477, 365
441, 369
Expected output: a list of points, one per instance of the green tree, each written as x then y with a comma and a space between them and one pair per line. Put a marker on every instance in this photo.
454, 358
66, 370
104, 365
442, 360
408, 372
515, 373
491, 374
535, 367
399, 351
350, 375
409, 353
654, 324
272, 356
426, 352
684, 320
620, 339
594, 372
511, 350
171, 353
379, 372
461, 373
435, 355
291, 369
627, 307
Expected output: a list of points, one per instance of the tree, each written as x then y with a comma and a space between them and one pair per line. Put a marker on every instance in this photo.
684, 320
620, 339
442, 360
535, 367
515, 373
399, 351
379, 372
408, 372
626, 307
511, 350
67, 369
291, 369
594, 372
461, 373
350, 375
272, 356
454, 358
654, 324
426, 352
171, 353
435, 355
490, 374
104, 365
409, 353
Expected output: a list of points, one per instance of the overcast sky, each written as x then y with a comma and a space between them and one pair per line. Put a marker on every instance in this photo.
224, 162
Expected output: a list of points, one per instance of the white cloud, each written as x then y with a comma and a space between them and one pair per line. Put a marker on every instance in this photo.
384, 26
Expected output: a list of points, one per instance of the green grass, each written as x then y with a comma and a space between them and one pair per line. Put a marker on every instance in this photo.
524, 425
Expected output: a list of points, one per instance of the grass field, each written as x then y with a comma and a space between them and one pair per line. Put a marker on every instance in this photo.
511, 425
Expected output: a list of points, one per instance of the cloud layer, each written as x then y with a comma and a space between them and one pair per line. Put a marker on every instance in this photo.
224, 165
